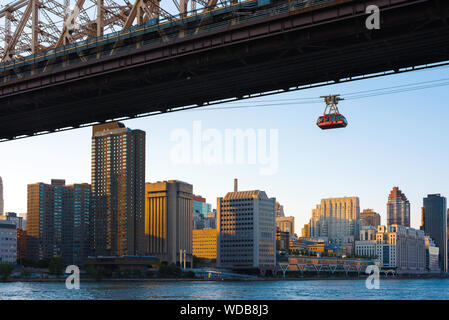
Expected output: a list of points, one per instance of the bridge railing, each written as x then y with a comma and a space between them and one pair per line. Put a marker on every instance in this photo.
165, 27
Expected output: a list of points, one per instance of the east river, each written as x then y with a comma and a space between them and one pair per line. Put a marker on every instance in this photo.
396, 289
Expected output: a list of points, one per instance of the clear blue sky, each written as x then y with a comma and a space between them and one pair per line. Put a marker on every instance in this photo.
392, 140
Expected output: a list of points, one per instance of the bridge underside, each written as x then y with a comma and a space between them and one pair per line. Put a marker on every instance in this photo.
329, 43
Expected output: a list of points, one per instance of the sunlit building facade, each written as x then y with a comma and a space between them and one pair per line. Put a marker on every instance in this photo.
366, 245
40, 220
59, 221
370, 218
118, 186
395, 248
337, 219
305, 231
286, 224
204, 243
169, 220
401, 248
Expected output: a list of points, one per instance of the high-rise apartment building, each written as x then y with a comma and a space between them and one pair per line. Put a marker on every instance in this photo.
118, 187
246, 231
434, 220
337, 219
370, 217
286, 224
398, 208
1, 197
59, 221
82, 224
73, 222
62, 214
40, 221
169, 220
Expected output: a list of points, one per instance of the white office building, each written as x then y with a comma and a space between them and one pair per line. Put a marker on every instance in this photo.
394, 247
246, 231
16, 219
8, 242
366, 246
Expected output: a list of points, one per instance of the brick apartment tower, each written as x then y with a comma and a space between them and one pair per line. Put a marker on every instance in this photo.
118, 186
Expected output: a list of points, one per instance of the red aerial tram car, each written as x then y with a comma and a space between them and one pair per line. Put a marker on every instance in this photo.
332, 118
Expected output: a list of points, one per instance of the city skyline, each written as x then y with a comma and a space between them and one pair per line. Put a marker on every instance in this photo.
368, 164
224, 156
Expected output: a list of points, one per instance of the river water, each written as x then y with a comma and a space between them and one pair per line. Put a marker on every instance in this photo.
396, 289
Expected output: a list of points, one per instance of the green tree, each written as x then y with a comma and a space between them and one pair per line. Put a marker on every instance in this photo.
99, 274
189, 275
91, 270
169, 271
6, 269
197, 261
137, 273
26, 273
127, 273
43, 263
56, 266
27, 262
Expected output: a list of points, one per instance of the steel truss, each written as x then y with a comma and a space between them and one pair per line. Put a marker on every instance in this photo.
32, 26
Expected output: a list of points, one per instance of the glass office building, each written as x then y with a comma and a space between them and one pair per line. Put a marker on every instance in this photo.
434, 224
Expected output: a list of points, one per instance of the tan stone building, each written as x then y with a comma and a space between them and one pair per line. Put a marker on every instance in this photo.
370, 217
169, 220
336, 219
286, 224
